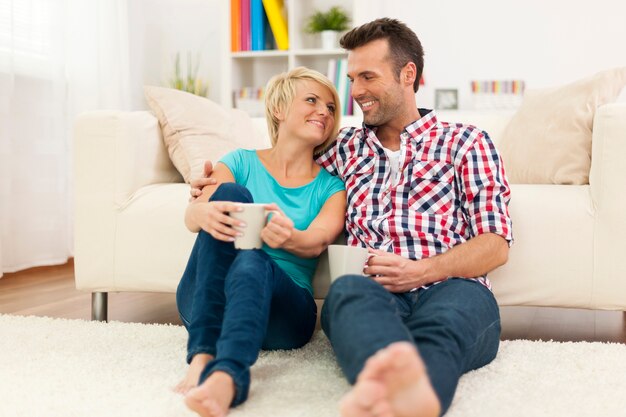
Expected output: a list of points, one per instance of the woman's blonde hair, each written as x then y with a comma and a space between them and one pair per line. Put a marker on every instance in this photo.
280, 93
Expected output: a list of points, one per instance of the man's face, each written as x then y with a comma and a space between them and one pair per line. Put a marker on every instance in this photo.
374, 86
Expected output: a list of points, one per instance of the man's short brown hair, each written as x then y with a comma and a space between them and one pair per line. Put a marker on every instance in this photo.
404, 46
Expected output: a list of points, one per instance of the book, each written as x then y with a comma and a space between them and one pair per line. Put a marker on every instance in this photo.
245, 25
235, 29
257, 26
275, 11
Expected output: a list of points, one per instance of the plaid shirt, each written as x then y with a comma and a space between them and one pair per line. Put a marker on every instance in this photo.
450, 186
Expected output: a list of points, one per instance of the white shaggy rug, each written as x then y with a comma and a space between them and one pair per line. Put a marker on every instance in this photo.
54, 367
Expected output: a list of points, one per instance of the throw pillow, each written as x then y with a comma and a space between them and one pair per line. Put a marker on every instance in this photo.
548, 140
196, 129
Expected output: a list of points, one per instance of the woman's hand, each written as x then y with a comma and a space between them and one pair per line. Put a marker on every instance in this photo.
279, 229
213, 218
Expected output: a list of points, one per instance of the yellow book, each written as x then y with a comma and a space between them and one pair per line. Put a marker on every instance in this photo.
274, 9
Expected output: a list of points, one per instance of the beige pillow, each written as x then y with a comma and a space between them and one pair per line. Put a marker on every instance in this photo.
548, 140
196, 129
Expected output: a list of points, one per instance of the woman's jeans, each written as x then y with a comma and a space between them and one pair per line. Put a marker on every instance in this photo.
455, 326
236, 302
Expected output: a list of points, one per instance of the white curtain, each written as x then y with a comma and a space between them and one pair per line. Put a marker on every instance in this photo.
57, 59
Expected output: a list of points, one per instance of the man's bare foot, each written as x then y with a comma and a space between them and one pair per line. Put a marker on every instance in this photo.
213, 397
393, 383
197, 365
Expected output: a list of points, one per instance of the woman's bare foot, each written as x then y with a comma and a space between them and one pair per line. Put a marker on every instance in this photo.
197, 365
393, 383
213, 397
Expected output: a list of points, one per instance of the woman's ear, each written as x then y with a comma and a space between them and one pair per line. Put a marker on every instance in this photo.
279, 114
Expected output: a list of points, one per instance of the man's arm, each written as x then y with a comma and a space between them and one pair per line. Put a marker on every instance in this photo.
470, 259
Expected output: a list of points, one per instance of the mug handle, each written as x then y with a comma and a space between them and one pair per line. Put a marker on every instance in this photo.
268, 212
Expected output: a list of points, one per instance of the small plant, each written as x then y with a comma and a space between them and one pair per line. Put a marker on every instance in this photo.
334, 19
190, 83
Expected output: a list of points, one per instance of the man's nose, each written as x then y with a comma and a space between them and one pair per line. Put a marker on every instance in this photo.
356, 89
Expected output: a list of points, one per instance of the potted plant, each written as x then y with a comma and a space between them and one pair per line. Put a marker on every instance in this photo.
189, 83
328, 24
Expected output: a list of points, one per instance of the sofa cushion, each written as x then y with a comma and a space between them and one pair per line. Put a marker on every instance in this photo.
196, 129
548, 140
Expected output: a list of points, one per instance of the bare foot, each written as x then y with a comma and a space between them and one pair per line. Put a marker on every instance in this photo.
197, 365
393, 383
213, 397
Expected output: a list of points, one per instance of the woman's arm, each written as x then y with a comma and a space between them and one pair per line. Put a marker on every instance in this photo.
311, 242
212, 217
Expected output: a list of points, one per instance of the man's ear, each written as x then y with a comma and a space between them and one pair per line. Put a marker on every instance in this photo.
409, 73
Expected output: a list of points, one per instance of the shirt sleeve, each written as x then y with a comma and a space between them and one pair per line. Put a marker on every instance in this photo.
331, 159
236, 163
334, 186
485, 189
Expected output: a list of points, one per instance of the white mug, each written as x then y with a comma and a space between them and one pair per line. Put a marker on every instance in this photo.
255, 217
344, 260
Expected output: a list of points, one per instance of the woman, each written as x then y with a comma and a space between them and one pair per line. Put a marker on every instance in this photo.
236, 302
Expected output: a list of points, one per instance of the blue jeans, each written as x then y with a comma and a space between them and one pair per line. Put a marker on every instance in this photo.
455, 325
236, 302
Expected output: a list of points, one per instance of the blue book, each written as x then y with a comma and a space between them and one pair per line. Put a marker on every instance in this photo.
257, 26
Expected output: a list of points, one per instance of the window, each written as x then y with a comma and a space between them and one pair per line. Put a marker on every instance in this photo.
26, 35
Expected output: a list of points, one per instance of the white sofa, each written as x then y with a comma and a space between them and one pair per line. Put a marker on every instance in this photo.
130, 200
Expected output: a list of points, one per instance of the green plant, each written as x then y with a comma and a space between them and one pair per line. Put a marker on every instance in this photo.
189, 83
334, 19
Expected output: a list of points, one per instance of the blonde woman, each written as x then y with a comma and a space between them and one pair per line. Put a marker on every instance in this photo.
236, 302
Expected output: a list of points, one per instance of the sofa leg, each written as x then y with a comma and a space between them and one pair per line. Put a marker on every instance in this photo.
99, 306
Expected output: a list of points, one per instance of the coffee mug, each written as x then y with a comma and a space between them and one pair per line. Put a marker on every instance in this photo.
344, 260
255, 216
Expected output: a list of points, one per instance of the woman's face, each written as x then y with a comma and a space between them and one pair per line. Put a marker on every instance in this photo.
311, 114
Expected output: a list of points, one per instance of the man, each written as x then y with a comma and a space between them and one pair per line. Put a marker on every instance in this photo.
429, 200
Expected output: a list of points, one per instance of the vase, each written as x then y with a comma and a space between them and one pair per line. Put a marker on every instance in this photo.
329, 39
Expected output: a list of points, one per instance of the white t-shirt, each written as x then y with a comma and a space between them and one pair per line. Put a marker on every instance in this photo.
394, 163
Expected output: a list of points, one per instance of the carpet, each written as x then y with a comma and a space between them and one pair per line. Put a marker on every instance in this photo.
55, 367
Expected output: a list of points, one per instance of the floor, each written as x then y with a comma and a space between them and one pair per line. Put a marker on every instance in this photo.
50, 291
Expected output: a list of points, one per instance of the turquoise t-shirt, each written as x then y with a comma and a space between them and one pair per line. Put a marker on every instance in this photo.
300, 204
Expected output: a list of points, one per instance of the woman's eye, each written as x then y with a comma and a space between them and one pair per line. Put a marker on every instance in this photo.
311, 99
331, 109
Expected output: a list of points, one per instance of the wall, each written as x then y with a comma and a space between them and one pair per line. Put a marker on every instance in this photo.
158, 29
544, 42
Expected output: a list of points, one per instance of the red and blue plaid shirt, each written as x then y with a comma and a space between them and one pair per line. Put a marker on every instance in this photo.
450, 187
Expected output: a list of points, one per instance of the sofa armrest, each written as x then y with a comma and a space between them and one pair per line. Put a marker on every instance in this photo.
115, 154
608, 192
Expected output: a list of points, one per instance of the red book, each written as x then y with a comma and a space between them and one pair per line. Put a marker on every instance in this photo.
246, 37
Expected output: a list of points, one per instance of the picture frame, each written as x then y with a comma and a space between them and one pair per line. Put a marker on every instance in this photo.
446, 99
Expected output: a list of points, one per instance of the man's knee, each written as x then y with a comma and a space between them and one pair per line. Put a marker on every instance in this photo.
348, 285
230, 191
344, 290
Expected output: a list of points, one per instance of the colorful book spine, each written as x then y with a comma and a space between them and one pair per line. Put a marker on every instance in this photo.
275, 11
235, 28
257, 27
246, 39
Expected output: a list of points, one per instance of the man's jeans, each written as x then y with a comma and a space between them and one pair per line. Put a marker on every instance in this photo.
236, 302
455, 326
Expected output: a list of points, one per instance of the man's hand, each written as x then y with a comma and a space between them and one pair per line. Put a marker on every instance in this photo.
198, 184
395, 273
278, 230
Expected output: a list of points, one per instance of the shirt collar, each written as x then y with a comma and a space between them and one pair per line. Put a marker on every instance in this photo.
416, 129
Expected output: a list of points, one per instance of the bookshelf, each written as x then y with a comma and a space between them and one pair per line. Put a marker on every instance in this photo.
252, 69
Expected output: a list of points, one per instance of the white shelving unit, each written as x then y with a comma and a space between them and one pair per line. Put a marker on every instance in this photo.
255, 68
